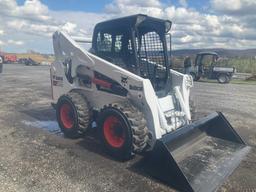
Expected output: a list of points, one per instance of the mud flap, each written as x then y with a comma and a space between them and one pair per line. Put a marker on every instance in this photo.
197, 157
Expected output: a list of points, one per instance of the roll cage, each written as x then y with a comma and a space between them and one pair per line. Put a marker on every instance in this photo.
200, 56
136, 43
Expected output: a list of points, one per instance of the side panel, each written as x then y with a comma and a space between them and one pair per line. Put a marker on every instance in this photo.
139, 91
59, 83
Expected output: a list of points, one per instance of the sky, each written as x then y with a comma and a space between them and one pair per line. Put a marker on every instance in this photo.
29, 24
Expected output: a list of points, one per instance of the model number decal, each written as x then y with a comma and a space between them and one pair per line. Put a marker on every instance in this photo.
57, 80
135, 88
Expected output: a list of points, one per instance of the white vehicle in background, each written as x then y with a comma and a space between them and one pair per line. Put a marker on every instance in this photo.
1, 63
212, 71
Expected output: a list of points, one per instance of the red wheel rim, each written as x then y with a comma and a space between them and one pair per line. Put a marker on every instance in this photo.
114, 132
67, 116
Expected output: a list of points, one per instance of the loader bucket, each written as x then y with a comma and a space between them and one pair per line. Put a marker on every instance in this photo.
197, 157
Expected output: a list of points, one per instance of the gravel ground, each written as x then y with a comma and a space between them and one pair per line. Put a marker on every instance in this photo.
36, 157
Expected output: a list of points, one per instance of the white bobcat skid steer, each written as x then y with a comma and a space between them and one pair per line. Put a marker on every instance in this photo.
125, 84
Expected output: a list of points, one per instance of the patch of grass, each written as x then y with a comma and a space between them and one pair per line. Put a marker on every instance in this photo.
243, 65
250, 82
204, 80
233, 81
36, 57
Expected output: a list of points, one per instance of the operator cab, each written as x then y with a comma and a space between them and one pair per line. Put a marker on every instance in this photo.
136, 43
205, 61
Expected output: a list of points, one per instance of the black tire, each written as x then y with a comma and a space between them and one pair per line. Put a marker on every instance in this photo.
228, 78
197, 78
223, 78
129, 126
73, 114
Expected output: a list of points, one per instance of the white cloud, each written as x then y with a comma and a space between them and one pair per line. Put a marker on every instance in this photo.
183, 3
32, 17
140, 3
229, 24
29, 27
85, 26
69, 27
128, 7
31, 10
1, 43
118, 6
31, 21
192, 29
35, 9
11, 41
231, 5
235, 7
186, 39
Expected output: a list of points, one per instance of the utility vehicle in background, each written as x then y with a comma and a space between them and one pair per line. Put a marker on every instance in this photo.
206, 66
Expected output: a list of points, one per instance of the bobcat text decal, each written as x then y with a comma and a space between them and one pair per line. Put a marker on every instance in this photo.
57, 81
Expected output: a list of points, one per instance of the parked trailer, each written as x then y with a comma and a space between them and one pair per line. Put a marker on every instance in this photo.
10, 58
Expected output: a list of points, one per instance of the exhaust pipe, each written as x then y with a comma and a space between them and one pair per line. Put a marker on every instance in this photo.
197, 157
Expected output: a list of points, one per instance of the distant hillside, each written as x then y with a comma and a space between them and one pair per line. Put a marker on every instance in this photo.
230, 53
39, 58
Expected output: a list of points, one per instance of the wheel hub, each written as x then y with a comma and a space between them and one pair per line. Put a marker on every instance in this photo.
67, 116
114, 132
222, 79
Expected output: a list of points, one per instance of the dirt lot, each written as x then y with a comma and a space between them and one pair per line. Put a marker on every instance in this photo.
36, 157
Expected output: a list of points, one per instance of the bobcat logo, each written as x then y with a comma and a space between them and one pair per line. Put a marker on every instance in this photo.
124, 80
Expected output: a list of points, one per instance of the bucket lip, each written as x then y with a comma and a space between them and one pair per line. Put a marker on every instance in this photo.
164, 148
241, 155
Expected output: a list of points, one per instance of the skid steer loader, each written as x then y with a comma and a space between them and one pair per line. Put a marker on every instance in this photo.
124, 87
